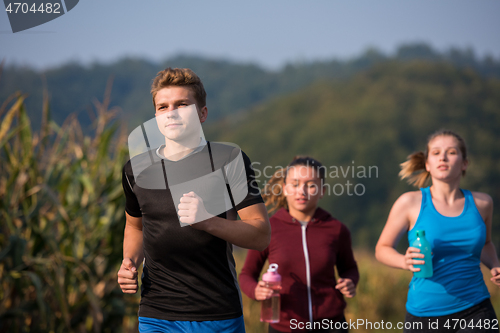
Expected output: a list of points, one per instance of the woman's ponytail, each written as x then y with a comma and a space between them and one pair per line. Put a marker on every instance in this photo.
273, 193
413, 170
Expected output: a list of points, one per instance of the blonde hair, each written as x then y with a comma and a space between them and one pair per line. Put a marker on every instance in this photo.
274, 190
180, 77
413, 169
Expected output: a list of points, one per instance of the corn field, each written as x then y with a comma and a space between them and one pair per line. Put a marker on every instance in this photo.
62, 220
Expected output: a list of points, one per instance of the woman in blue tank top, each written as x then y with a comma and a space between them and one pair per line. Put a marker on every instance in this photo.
457, 224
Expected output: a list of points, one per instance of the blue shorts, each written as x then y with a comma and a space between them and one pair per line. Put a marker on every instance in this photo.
151, 325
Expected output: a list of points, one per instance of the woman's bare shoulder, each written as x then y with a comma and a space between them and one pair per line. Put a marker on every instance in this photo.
409, 199
482, 200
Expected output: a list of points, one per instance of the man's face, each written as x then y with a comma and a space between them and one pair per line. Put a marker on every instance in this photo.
177, 115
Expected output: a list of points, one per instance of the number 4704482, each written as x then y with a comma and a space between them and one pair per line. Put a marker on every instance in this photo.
47, 7
463, 324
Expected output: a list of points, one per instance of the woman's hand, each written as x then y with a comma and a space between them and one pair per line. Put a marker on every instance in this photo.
262, 292
411, 254
495, 273
346, 287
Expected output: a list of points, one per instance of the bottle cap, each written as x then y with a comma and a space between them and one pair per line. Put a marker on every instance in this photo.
420, 233
272, 274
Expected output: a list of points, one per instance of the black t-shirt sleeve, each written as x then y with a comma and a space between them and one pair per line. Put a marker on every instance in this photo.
253, 197
132, 206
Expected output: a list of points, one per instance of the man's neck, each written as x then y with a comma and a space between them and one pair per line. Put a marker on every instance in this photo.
175, 151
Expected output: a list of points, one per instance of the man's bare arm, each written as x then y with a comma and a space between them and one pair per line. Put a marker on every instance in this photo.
132, 240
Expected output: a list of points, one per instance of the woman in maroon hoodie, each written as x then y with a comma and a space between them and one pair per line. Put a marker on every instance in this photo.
306, 243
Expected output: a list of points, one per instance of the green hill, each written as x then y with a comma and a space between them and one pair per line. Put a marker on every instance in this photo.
374, 119
232, 87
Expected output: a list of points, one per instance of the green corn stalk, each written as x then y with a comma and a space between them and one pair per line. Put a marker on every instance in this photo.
61, 224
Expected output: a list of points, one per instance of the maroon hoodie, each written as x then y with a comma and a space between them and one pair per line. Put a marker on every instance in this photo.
315, 248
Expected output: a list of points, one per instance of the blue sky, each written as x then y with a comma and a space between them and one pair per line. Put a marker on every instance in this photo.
270, 33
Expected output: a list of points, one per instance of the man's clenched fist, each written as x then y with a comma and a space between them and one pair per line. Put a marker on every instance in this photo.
127, 277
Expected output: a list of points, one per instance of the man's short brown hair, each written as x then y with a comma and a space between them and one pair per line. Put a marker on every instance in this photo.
180, 77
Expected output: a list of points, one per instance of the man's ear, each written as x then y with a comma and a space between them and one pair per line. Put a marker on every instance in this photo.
203, 114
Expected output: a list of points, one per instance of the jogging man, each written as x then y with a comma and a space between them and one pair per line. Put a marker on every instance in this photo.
182, 201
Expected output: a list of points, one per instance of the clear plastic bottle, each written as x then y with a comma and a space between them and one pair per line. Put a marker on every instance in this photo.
425, 248
270, 311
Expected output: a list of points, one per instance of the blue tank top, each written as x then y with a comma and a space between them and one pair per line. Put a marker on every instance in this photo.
457, 282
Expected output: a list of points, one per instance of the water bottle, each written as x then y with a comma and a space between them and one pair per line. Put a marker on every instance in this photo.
270, 311
425, 248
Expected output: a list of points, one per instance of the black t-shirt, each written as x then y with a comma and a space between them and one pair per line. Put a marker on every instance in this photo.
188, 273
